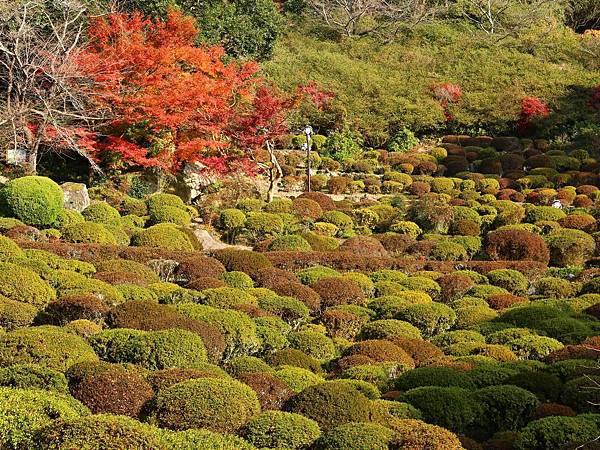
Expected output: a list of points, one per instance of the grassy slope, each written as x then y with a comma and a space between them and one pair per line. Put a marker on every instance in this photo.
389, 84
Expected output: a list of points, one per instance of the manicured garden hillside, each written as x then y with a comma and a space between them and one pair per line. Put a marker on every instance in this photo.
389, 308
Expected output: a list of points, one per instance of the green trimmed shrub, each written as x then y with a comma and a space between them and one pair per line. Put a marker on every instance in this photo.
200, 439
449, 251
33, 376
262, 224
553, 287
313, 344
433, 376
67, 217
581, 394
554, 433
277, 429
505, 408
24, 412
15, 314
297, 378
238, 329
154, 350
33, 200
389, 329
163, 235
170, 214
50, 347
88, 233
161, 200
226, 297
449, 407
21, 284
9, 249
101, 212
355, 436
430, 318
570, 247
331, 404
544, 213
311, 275
217, 404
511, 280
247, 364
98, 432
290, 243
545, 386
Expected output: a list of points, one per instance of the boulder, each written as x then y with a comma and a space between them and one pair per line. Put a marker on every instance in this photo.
76, 196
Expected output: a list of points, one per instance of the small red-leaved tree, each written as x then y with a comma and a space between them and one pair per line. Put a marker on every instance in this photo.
532, 109
170, 102
447, 94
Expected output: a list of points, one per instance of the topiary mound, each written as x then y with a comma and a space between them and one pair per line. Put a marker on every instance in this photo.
417, 435
24, 285
47, 346
331, 404
33, 200
220, 405
163, 235
554, 433
24, 412
153, 350
88, 233
355, 436
272, 392
15, 314
201, 439
98, 432
276, 429
29, 376
113, 391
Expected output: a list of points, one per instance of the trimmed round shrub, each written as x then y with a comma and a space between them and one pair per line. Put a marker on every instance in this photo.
242, 260
545, 386
544, 213
581, 393
380, 351
277, 429
570, 247
291, 243
430, 318
247, 364
67, 217
114, 391
152, 350
554, 433
323, 200
449, 251
389, 329
101, 212
297, 378
313, 344
21, 284
449, 407
336, 291
33, 376
88, 233
355, 436
272, 392
433, 376
24, 412
296, 358
74, 307
554, 287
15, 314
170, 214
511, 280
262, 224
331, 404
33, 200
237, 328
47, 346
516, 245
98, 432
505, 408
163, 235
364, 246
200, 439
420, 351
9, 249
417, 435
311, 275
219, 405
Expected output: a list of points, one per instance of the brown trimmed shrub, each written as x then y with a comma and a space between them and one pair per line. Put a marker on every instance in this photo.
306, 208
147, 316
502, 301
296, 358
242, 260
417, 435
454, 286
114, 391
272, 393
201, 283
162, 379
395, 243
338, 185
381, 351
336, 291
419, 350
74, 307
552, 409
419, 188
343, 324
115, 278
364, 246
199, 267
300, 292
323, 200
583, 222
271, 276
516, 245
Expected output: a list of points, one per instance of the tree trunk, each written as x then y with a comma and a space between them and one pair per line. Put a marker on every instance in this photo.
275, 173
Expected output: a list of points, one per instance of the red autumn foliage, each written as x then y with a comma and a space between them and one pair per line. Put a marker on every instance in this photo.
170, 101
532, 108
446, 94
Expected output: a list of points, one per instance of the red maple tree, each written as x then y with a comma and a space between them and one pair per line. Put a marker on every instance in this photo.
169, 101
447, 94
532, 109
